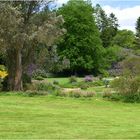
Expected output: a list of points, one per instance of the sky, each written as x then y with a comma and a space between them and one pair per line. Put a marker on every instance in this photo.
127, 11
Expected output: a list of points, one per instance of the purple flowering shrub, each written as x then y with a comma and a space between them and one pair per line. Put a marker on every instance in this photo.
30, 69
88, 78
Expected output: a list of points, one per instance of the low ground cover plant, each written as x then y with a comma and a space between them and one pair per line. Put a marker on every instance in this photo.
110, 95
73, 79
81, 83
41, 88
77, 93
32, 93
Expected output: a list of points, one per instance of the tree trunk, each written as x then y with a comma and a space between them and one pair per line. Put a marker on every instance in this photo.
18, 71
11, 64
14, 64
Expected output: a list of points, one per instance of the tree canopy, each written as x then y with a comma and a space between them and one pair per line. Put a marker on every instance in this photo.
108, 25
81, 44
22, 26
124, 38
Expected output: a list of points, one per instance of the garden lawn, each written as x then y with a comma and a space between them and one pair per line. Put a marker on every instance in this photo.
60, 80
64, 82
49, 117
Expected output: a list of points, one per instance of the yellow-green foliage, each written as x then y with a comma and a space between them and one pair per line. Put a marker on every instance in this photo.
3, 72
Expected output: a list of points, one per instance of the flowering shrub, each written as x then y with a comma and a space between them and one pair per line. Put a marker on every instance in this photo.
3, 74
88, 78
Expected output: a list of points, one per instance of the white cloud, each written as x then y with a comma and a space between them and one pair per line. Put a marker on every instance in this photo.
127, 17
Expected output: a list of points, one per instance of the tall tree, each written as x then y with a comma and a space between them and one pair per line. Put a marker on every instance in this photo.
24, 24
82, 44
138, 33
107, 25
100, 18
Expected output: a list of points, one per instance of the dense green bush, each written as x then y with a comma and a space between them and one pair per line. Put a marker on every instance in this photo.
131, 66
5, 85
128, 88
128, 85
55, 82
30, 87
2, 67
84, 86
45, 87
39, 73
73, 79
26, 79
108, 94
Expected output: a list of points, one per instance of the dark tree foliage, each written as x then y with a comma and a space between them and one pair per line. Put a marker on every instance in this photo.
46, 57
108, 26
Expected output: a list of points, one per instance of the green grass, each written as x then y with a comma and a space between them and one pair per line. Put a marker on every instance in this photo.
49, 117
62, 80
98, 89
